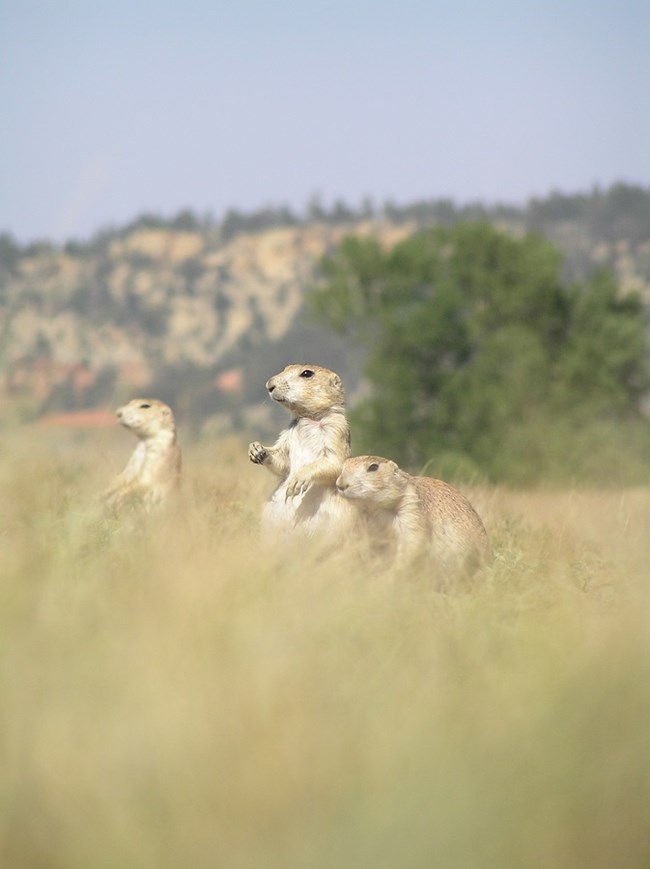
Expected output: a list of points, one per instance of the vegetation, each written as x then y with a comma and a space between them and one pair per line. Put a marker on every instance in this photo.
481, 356
170, 300
173, 696
619, 213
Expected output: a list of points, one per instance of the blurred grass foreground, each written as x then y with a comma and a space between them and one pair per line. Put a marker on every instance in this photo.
172, 696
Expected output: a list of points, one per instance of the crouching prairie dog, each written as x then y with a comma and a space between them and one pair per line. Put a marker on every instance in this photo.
154, 468
417, 517
307, 456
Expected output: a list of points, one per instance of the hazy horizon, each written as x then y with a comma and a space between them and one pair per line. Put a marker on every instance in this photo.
111, 110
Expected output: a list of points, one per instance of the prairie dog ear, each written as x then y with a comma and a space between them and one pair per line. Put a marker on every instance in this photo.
400, 474
393, 465
335, 380
166, 411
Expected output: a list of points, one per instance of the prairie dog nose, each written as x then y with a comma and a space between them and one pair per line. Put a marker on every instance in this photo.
118, 413
270, 385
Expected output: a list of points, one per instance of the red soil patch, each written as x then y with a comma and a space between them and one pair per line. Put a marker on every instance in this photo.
230, 381
80, 419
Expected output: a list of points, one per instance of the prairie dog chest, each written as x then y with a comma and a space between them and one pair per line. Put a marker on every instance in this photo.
153, 457
138, 458
307, 441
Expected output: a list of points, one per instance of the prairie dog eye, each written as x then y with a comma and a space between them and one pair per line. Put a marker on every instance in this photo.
307, 372
373, 467
144, 406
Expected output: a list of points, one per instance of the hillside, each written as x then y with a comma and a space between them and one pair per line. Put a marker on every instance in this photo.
200, 312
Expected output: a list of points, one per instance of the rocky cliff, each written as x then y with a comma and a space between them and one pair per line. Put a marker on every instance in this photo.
201, 318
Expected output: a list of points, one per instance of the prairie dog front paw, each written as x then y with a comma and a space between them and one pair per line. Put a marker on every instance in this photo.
257, 453
296, 486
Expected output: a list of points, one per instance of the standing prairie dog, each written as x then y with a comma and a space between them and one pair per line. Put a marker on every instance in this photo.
419, 517
154, 468
308, 455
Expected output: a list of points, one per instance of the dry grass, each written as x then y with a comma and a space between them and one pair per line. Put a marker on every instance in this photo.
171, 696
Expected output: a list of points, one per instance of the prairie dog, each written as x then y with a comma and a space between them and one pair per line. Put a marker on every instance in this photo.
153, 470
419, 517
308, 455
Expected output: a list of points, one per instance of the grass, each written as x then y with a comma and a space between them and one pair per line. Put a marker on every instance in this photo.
173, 696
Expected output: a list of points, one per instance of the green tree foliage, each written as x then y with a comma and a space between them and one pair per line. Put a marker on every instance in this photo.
481, 358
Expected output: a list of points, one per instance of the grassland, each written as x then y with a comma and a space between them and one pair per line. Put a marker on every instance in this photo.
173, 697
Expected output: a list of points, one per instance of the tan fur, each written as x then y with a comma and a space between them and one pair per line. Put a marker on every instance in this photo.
419, 517
153, 470
308, 455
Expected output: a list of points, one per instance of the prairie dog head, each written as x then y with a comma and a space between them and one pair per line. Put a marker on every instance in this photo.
146, 417
307, 390
372, 480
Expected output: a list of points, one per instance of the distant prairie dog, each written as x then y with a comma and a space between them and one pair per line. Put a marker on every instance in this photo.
308, 455
418, 517
153, 471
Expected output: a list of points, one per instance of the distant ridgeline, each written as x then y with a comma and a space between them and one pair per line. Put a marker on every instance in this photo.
199, 312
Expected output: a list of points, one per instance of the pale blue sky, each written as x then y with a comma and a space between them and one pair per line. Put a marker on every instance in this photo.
114, 107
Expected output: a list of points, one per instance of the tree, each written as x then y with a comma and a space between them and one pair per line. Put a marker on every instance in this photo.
477, 350
10, 252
